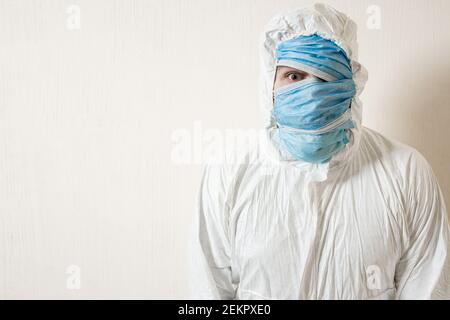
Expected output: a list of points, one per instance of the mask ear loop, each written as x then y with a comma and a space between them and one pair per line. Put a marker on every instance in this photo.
273, 85
273, 92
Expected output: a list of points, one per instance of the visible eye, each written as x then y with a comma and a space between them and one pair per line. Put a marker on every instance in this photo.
294, 76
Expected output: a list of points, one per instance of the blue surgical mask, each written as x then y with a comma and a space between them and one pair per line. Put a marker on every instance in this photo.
312, 115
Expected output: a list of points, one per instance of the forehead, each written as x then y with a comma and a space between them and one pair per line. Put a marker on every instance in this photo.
314, 55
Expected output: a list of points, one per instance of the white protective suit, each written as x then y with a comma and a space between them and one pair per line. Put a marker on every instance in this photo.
370, 224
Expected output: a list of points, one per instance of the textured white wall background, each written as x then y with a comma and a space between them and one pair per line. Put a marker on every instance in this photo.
86, 118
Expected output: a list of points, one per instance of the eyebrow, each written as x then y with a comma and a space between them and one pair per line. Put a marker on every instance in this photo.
290, 69
285, 71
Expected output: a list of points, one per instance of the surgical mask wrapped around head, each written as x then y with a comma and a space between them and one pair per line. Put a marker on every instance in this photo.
312, 115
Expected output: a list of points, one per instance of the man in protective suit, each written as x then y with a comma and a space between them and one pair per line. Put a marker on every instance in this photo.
327, 209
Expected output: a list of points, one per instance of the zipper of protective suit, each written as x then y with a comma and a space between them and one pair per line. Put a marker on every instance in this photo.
330, 126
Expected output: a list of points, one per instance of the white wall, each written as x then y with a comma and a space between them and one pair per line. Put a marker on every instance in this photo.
87, 117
